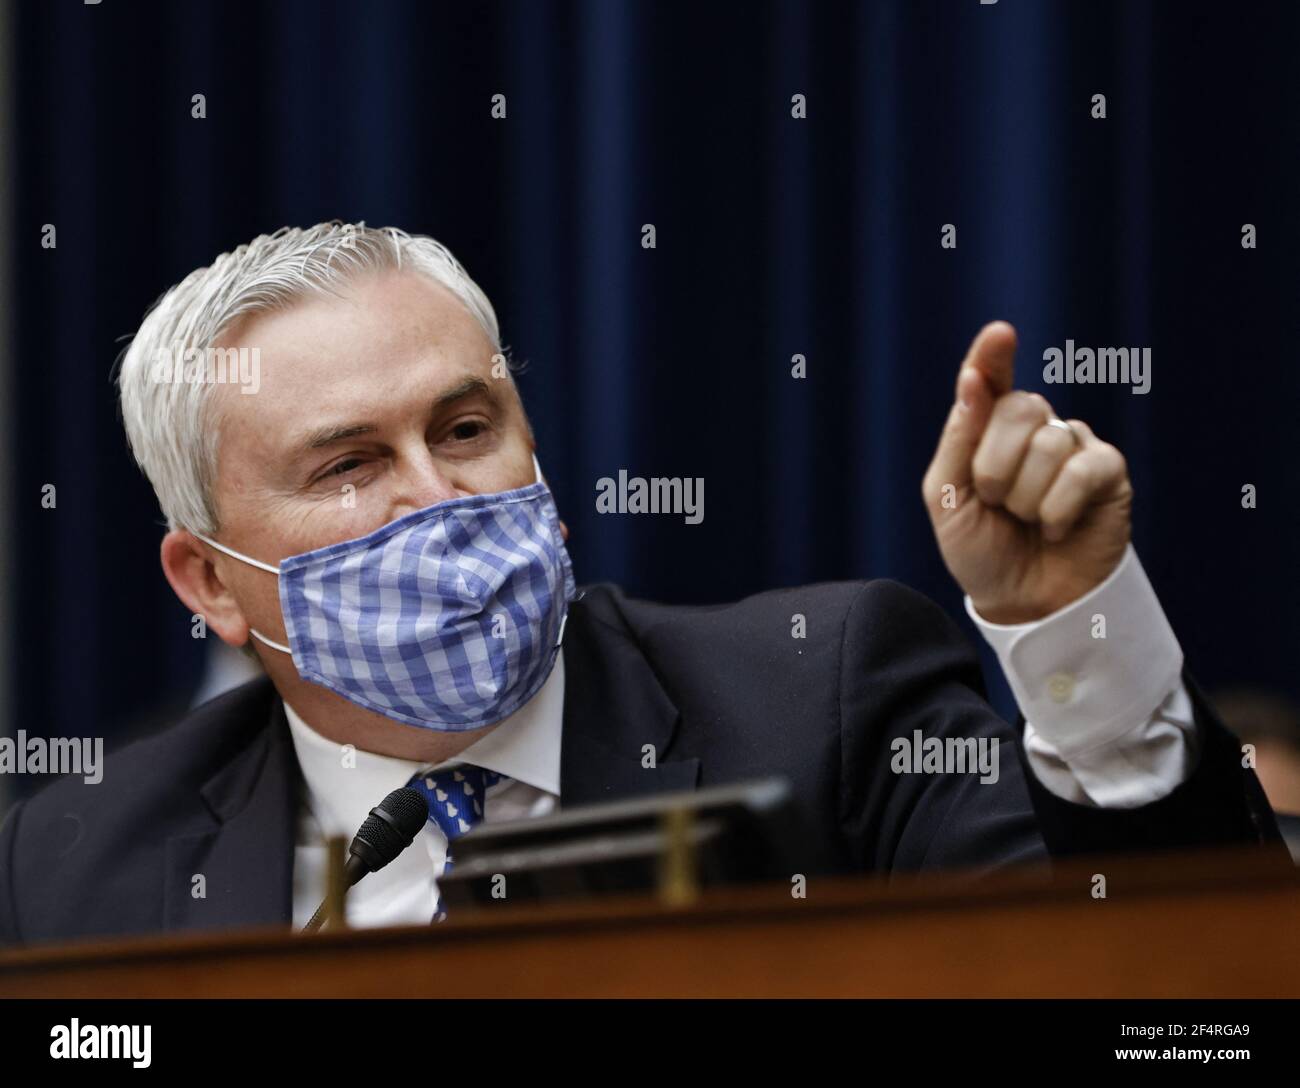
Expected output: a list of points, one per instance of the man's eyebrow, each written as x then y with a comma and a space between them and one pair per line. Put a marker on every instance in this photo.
468, 388
325, 436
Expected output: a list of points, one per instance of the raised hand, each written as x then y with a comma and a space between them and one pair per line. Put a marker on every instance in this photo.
1030, 512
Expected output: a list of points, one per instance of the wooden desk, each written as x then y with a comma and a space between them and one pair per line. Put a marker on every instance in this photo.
1222, 925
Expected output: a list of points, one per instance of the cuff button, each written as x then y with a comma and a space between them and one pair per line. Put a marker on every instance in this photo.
1060, 686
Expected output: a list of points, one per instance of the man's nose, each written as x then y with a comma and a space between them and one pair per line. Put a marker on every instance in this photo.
422, 480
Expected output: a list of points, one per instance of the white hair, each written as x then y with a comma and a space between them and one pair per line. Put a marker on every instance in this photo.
169, 423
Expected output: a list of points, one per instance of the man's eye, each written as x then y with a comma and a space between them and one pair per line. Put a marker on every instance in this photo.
471, 428
344, 467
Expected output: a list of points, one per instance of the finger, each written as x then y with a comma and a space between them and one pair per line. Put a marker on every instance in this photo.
992, 356
1085, 433
974, 398
1049, 449
1005, 442
1091, 474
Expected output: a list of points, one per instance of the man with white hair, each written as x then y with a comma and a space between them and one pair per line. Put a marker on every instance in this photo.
351, 492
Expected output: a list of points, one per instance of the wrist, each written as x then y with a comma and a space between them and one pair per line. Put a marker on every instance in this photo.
1021, 607
1009, 615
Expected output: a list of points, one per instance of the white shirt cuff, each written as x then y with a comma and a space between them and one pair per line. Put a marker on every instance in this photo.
1098, 682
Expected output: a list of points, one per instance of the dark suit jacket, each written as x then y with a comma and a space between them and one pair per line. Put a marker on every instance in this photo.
724, 694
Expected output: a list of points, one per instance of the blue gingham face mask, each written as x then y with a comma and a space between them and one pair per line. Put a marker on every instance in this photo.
449, 618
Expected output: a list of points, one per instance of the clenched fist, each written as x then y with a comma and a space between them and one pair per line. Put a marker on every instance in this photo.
1030, 512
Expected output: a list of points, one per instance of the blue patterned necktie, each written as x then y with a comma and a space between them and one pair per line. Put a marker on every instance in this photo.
456, 799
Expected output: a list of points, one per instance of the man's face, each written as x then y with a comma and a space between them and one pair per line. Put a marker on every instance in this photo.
371, 405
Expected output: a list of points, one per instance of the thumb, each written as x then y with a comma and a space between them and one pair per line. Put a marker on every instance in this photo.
992, 354
985, 374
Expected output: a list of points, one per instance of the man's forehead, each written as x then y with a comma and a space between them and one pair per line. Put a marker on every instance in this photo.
325, 361
368, 321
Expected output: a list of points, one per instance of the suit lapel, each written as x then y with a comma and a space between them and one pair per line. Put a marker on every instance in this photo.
614, 706
246, 854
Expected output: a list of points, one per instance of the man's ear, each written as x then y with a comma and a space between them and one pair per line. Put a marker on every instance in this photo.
564, 532
194, 579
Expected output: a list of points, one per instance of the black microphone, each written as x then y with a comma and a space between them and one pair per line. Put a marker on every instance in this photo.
389, 829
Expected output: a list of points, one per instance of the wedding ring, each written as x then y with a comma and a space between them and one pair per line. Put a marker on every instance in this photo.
1067, 429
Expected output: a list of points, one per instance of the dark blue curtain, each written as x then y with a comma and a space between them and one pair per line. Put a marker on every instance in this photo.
775, 237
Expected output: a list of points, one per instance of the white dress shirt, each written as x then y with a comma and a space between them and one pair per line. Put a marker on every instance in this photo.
1108, 723
343, 784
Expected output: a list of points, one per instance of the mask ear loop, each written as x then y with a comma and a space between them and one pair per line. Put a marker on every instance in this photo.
559, 640
252, 563
268, 642
234, 554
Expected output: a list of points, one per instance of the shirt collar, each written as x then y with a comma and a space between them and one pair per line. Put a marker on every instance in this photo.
525, 746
